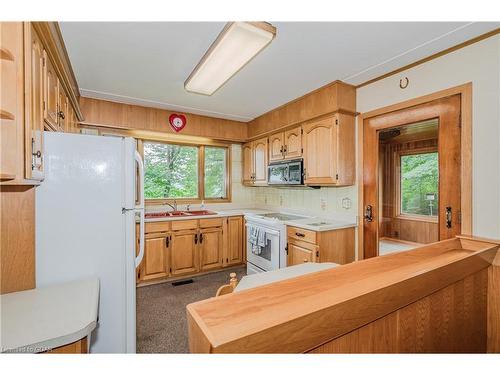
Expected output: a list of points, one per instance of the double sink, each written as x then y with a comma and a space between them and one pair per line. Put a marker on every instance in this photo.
152, 215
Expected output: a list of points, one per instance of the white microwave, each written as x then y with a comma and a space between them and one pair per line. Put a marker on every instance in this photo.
288, 172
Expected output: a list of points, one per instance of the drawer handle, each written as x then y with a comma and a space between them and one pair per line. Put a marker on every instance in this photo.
300, 234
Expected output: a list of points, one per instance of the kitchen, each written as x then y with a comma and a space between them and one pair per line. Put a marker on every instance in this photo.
152, 213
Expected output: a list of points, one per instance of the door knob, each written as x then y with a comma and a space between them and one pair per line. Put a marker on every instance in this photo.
369, 213
448, 217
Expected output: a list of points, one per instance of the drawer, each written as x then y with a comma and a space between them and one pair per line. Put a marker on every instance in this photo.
184, 224
210, 223
157, 226
302, 234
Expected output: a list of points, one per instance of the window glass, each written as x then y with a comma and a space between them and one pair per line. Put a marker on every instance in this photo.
420, 184
215, 172
170, 171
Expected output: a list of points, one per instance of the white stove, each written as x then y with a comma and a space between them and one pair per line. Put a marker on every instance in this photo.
272, 254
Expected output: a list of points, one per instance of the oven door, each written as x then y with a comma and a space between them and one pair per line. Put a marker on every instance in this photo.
267, 257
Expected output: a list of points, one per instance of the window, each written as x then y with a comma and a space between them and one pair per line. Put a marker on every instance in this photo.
215, 172
419, 184
172, 171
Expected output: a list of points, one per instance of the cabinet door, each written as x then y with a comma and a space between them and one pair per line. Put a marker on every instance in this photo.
276, 147
210, 242
293, 143
248, 163
260, 157
155, 257
51, 94
298, 254
233, 246
320, 154
34, 116
183, 252
62, 113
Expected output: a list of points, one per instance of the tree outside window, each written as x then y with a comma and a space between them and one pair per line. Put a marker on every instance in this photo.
171, 172
420, 184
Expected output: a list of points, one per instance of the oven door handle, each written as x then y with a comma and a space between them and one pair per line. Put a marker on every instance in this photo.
267, 230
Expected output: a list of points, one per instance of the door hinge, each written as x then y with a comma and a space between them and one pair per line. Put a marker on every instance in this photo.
302, 149
43, 61
301, 131
317, 253
336, 121
459, 217
337, 176
170, 269
286, 248
227, 260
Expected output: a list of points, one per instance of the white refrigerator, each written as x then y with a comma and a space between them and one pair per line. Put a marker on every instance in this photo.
86, 213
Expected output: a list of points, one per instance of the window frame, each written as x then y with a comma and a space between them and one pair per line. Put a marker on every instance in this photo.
397, 203
201, 172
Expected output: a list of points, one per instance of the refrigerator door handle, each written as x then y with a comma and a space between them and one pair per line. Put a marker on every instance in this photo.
140, 209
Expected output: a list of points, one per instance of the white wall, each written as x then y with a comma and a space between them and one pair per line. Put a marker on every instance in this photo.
480, 64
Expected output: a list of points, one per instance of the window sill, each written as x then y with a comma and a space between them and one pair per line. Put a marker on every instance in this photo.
427, 219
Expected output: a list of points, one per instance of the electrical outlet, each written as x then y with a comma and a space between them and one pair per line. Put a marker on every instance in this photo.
322, 203
346, 203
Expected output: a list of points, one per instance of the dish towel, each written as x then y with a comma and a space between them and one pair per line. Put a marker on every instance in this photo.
257, 239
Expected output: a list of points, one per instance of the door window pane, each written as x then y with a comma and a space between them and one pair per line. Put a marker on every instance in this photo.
420, 184
171, 171
215, 172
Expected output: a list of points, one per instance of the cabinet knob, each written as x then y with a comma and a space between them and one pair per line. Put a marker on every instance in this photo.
61, 114
300, 234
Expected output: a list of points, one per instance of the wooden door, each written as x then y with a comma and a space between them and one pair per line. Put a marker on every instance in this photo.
248, 163
299, 254
51, 94
210, 242
156, 264
320, 152
34, 110
293, 143
260, 157
447, 112
276, 146
233, 247
183, 252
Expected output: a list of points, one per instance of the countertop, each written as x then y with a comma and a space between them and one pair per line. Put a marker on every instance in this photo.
37, 320
306, 223
264, 278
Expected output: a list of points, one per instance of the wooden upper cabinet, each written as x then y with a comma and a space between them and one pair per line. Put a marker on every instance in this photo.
248, 163
34, 107
210, 242
260, 158
155, 263
184, 252
51, 95
293, 143
329, 151
233, 245
11, 93
276, 146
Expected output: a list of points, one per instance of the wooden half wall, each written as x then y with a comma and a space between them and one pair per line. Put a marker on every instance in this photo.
118, 116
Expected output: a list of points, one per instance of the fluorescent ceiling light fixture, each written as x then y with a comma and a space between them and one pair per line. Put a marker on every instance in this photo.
236, 45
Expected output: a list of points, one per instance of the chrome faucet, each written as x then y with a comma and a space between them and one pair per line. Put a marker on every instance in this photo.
174, 206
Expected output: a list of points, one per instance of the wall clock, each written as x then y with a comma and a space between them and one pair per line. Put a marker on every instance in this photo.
177, 122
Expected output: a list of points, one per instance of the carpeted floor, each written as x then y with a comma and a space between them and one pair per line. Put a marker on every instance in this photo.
161, 311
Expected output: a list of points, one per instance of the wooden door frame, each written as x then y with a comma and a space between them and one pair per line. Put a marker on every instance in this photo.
465, 92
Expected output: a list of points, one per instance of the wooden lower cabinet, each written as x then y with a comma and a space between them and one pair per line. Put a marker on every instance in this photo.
233, 241
333, 246
210, 246
77, 347
184, 253
301, 252
156, 260
187, 247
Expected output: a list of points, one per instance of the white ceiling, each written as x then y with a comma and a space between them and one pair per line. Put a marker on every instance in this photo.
146, 63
